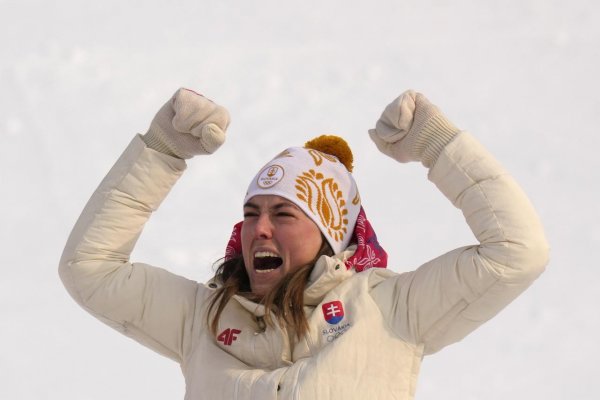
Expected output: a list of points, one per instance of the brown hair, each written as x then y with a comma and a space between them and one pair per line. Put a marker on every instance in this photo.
285, 300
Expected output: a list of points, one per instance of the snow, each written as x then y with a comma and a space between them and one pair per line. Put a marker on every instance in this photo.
80, 78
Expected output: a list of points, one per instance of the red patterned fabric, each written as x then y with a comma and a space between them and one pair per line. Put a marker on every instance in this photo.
368, 254
234, 246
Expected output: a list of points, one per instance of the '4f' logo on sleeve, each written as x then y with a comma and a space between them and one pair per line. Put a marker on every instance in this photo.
228, 336
333, 312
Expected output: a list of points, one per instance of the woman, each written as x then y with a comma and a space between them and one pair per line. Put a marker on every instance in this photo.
297, 311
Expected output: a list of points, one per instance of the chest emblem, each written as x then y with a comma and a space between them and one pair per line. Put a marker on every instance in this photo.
228, 336
333, 312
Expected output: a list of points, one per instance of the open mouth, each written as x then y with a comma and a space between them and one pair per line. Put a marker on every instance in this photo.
265, 261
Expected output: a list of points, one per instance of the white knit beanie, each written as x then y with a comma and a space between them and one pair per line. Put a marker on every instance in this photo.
314, 178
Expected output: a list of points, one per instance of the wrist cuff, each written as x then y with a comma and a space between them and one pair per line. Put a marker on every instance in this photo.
435, 134
154, 141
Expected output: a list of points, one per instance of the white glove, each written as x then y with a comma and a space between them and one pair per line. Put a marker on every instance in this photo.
188, 124
412, 129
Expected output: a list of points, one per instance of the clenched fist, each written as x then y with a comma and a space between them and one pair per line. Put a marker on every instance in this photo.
412, 129
188, 124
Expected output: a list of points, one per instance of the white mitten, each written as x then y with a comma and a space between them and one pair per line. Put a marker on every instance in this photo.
412, 129
188, 124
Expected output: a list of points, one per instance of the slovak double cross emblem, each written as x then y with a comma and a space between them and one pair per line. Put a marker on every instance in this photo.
333, 312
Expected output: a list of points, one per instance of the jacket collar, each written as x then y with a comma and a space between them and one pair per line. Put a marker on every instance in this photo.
326, 275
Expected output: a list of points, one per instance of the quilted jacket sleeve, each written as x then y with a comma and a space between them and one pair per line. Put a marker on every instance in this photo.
450, 296
149, 304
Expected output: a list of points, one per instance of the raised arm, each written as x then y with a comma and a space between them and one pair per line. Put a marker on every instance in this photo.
149, 304
450, 296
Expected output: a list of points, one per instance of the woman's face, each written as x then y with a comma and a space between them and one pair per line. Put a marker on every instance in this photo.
277, 239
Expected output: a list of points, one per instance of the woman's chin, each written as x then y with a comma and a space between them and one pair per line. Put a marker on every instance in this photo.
263, 287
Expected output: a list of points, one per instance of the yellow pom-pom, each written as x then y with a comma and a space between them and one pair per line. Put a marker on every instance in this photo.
334, 145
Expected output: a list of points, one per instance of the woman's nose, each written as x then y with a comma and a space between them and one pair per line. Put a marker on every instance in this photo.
263, 228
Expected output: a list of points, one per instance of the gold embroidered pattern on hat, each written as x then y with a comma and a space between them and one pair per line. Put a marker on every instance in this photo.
285, 153
325, 200
318, 156
356, 199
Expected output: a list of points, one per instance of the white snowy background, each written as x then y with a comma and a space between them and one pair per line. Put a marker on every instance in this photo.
79, 78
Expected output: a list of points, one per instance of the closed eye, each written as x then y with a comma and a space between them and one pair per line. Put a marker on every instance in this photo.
285, 214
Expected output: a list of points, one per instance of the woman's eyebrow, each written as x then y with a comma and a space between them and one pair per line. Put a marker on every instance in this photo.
251, 205
285, 203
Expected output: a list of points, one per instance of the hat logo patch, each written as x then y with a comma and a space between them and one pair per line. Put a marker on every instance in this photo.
270, 176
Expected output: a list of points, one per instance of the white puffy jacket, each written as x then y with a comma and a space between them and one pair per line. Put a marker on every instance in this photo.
368, 330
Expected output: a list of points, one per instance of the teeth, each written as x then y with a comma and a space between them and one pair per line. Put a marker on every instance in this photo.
263, 271
261, 254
